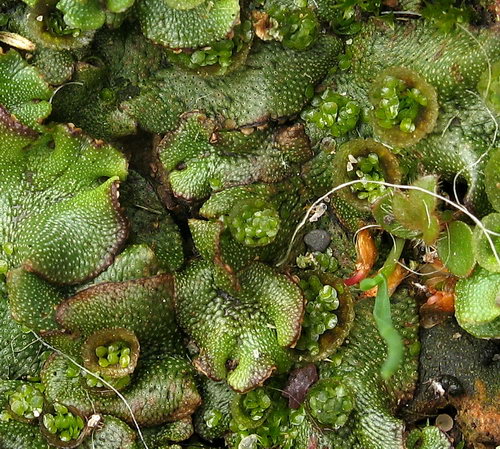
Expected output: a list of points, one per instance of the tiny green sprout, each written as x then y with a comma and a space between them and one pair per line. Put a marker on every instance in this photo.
5, 416
303, 261
94, 381
218, 53
73, 371
326, 261
221, 53
345, 18
345, 61
398, 105
56, 25
320, 316
489, 86
249, 411
333, 112
215, 184
482, 249
445, 15
330, 403
316, 260
297, 416
212, 418
107, 95
296, 29
254, 223
367, 168
309, 91
117, 353
8, 248
27, 401
249, 442
279, 428
256, 403
63, 424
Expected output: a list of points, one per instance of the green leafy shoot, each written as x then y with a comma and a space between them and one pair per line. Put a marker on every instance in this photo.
296, 29
383, 320
445, 14
57, 26
382, 312
222, 53
346, 21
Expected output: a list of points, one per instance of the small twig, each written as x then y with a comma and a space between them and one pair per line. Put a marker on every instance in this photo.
148, 209
448, 124
61, 86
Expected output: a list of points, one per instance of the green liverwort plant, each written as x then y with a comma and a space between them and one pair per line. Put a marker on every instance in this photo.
278, 428
256, 403
344, 15
57, 26
489, 87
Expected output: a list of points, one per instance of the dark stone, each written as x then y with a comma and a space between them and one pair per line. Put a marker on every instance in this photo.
317, 240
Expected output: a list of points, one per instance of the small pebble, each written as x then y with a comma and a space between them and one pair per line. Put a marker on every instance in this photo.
317, 240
